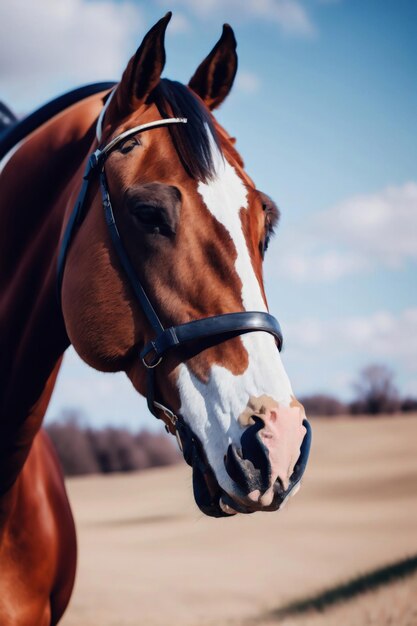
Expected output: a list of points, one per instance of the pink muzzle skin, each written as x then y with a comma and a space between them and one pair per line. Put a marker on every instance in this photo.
282, 434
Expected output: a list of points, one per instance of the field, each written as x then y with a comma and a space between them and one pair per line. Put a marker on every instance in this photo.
149, 558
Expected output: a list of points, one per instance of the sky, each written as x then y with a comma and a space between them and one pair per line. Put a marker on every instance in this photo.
324, 111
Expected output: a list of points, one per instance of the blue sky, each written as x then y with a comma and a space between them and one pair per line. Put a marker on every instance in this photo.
324, 111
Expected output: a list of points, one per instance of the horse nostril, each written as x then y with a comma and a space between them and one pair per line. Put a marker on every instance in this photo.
280, 486
240, 470
254, 449
249, 467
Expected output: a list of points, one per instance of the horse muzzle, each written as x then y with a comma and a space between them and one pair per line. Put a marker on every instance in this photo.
251, 476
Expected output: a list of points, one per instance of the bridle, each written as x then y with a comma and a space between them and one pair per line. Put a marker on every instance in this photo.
216, 328
219, 326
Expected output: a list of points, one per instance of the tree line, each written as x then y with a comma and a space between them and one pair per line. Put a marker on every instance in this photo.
374, 394
85, 450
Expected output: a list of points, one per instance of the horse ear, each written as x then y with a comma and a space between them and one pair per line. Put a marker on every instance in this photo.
215, 75
144, 69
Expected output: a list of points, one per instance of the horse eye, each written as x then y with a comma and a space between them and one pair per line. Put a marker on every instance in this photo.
129, 144
154, 220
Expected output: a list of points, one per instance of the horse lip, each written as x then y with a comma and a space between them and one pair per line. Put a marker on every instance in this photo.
226, 508
301, 464
237, 505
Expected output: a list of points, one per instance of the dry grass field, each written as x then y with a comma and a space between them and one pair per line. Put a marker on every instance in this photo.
149, 558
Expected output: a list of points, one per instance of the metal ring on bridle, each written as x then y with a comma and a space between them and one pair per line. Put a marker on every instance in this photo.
152, 365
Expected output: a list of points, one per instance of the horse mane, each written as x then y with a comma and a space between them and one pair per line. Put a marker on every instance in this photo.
193, 141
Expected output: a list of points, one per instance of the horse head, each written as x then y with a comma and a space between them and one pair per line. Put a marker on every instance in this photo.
195, 229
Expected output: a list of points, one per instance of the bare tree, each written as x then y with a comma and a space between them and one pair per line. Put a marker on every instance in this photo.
409, 404
375, 391
323, 405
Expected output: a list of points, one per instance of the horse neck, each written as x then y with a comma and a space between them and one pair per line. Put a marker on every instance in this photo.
36, 189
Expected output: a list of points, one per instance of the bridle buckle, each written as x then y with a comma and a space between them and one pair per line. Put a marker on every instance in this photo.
155, 358
167, 412
172, 418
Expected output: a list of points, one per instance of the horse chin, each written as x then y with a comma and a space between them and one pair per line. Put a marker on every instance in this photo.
213, 501
207, 493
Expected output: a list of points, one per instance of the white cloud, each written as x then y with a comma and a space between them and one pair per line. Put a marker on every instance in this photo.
360, 234
382, 336
382, 225
323, 267
289, 15
48, 43
247, 82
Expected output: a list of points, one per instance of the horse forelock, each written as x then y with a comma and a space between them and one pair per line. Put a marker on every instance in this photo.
194, 140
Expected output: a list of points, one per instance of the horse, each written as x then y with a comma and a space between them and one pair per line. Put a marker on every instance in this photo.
131, 230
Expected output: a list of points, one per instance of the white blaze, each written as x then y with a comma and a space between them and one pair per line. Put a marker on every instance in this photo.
212, 408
